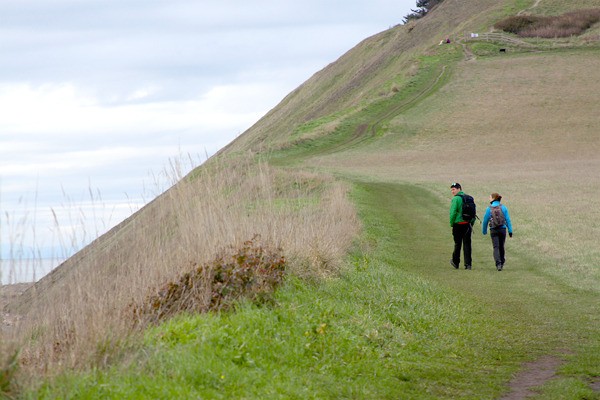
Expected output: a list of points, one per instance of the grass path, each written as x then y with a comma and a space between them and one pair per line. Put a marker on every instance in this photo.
365, 125
542, 316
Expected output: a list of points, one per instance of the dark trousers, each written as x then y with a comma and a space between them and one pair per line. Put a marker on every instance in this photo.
462, 237
498, 236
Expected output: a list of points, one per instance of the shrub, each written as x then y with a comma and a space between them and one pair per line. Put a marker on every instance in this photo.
516, 24
8, 368
569, 24
252, 272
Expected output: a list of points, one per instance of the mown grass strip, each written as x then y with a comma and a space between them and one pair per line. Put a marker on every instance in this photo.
539, 313
368, 122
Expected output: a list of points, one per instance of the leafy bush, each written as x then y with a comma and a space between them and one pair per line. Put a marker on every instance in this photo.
517, 24
8, 368
569, 24
252, 272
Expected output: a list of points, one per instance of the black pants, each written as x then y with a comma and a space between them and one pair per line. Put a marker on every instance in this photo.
498, 236
462, 236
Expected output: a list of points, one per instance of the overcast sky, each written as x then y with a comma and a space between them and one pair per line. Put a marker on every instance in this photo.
96, 97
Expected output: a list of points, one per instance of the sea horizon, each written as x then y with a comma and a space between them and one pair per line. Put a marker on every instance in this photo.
26, 270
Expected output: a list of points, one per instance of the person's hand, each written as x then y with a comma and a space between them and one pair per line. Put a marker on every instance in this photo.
510, 234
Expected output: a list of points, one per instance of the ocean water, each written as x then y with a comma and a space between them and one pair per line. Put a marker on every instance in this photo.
25, 270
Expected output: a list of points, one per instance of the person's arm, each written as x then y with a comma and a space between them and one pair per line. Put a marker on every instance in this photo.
507, 218
486, 220
455, 209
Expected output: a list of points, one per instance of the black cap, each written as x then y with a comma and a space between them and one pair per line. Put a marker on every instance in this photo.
456, 185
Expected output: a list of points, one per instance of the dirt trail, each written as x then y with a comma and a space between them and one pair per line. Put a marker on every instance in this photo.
537, 2
400, 204
469, 55
371, 129
534, 374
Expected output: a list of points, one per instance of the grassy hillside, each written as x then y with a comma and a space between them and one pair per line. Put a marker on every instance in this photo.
377, 68
521, 125
371, 307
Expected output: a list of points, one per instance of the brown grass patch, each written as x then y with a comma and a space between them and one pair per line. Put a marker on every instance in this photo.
569, 24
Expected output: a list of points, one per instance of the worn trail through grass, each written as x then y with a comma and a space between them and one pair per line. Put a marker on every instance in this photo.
541, 317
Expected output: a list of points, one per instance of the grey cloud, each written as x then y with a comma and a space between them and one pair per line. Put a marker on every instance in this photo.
158, 78
185, 46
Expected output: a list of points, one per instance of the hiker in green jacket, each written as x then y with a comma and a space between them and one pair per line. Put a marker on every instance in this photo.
461, 228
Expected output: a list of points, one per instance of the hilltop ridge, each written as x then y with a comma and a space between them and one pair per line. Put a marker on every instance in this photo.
375, 68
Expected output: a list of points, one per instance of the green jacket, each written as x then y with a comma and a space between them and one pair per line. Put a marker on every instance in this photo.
456, 209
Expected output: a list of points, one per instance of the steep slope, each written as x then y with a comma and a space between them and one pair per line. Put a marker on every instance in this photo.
376, 68
435, 117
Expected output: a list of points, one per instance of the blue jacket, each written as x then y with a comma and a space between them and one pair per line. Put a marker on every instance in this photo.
488, 214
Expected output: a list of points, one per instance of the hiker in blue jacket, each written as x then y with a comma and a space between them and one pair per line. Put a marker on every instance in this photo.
498, 219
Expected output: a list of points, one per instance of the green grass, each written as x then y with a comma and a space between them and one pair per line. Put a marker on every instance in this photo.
511, 8
434, 71
398, 323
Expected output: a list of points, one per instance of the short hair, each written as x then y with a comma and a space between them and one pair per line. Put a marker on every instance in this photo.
456, 185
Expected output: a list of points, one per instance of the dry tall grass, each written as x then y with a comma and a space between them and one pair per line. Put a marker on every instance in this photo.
76, 314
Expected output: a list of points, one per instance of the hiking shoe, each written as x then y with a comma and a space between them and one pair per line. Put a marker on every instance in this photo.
467, 267
454, 265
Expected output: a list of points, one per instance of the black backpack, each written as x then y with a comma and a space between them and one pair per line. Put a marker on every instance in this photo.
497, 218
469, 209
